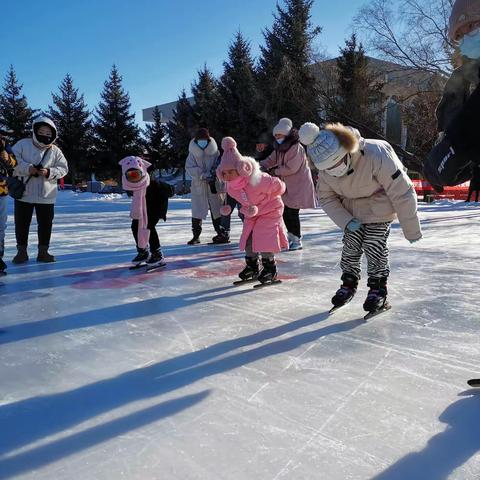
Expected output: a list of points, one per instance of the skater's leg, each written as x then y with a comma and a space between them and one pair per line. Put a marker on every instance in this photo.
376, 251
352, 252
249, 253
44, 214
291, 217
23, 213
134, 228
269, 268
375, 244
153, 240
197, 230
251, 270
3, 227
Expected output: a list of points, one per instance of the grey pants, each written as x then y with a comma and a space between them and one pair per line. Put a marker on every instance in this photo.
251, 254
3, 223
370, 238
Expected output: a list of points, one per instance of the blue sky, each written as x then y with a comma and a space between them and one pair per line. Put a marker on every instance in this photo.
158, 45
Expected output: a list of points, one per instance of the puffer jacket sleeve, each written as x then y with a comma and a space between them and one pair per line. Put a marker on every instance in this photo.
276, 187
269, 162
21, 170
60, 166
330, 202
293, 161
390, 173
192, 167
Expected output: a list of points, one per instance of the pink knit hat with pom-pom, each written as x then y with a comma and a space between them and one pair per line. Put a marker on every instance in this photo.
233, 160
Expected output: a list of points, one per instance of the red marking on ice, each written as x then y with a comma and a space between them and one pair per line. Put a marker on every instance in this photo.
200, 265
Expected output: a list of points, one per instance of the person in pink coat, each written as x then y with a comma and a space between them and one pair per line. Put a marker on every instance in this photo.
261, 198
289, 162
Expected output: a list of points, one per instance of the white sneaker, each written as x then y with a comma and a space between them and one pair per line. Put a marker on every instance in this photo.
294, 242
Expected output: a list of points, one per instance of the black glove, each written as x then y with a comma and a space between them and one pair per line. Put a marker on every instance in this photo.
213, 186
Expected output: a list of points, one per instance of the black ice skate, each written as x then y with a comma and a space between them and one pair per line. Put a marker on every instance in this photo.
268, 275
345, 293
376, 301
220, 239
250, 272
156, 261
141, 259
474, 382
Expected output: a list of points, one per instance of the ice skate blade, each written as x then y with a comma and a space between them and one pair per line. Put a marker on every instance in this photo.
370, 315
138, 266
152, 268
474, 382
242, 282
267, 284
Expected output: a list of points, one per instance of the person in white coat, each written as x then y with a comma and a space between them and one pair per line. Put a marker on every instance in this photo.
201, 163
40, 163
362, 186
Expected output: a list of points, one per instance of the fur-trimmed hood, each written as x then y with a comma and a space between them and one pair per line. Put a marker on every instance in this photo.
194, 149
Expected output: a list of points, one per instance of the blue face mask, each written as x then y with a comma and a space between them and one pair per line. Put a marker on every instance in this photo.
280, 140
202, 144
470, 45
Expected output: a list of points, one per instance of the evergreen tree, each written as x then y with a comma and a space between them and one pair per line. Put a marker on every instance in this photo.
240, 95
180, 132
359, 92
209, 107
15, 114
116, 134
287, 84
72, 119
159, 149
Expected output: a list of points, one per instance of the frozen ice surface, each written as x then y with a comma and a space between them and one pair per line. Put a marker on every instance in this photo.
107, 373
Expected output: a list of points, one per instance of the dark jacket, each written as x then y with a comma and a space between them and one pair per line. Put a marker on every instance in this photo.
157, 196
457, 90
7, 163
259, 156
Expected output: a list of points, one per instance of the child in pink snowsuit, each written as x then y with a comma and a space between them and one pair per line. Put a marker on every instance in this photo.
260, 196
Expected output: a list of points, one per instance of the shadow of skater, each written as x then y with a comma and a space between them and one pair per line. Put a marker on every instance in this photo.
64, 447
27, 421
447, 450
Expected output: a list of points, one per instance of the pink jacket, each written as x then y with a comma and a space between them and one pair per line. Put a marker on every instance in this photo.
292, 167
266, 227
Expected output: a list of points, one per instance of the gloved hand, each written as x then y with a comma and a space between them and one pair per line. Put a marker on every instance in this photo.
414, 240
353, 225
204, 176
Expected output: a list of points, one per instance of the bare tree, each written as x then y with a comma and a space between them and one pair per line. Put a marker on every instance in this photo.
412, 33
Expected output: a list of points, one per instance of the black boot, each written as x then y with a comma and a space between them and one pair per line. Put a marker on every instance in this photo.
251, 270
346, 291
142, 256
3, 267
269, 271
377, 295
21, 256
197, 230
223, 236
43, 255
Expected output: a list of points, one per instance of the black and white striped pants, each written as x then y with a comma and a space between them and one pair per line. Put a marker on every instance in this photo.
370, 238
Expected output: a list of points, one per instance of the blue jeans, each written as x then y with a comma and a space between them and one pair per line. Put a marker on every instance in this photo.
3, 223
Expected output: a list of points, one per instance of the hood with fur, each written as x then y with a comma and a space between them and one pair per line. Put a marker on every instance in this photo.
194, 149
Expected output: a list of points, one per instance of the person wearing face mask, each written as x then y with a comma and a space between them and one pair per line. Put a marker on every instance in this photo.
451, 160
200, 165
40, 164
362, 186
288, 161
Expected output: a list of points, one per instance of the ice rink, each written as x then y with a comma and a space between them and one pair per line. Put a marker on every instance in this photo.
109, 374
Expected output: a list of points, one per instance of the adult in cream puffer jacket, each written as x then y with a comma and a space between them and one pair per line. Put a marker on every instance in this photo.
40, 164
362, 186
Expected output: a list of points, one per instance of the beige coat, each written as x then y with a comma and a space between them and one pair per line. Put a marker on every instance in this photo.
377, 190
201, 165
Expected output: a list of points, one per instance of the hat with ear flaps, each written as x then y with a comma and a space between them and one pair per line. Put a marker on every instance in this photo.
328, 146
233, 160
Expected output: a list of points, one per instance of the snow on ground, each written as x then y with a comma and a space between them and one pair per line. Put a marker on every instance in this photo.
107, 373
